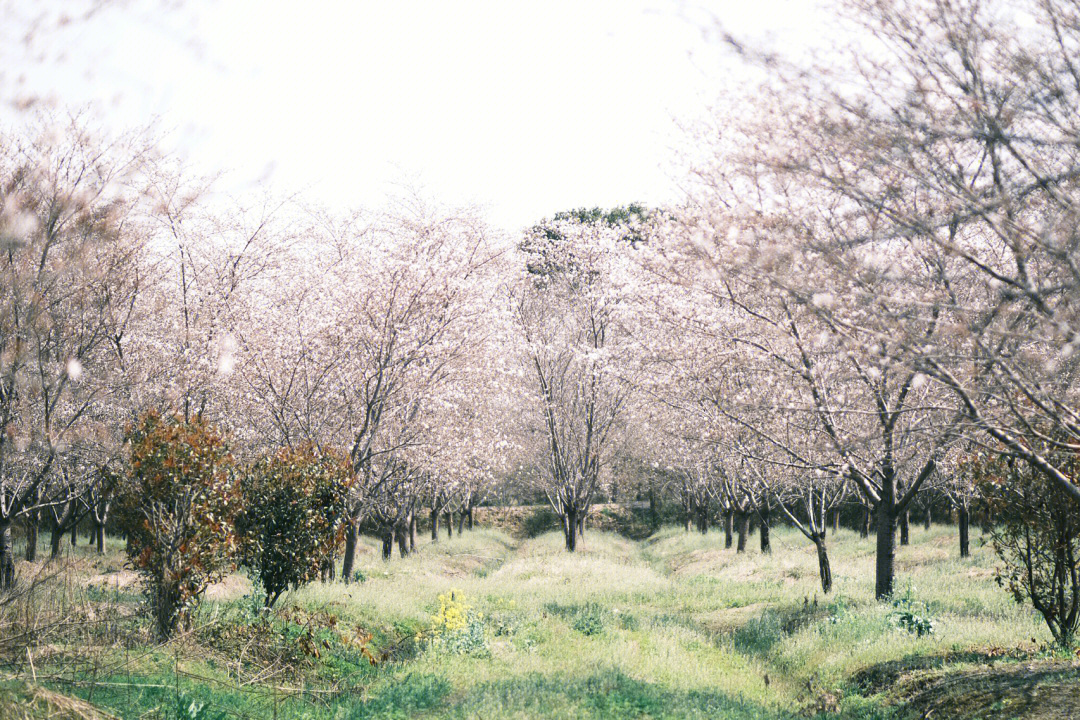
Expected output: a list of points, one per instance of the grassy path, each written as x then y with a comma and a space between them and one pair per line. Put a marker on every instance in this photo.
674, 626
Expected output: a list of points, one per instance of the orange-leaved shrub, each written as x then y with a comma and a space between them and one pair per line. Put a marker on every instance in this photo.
178, 507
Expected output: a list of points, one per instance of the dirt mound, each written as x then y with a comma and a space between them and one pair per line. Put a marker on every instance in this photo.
981, 685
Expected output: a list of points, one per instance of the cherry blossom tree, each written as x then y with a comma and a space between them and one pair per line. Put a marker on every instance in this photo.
567, 306
957, 132
66, 199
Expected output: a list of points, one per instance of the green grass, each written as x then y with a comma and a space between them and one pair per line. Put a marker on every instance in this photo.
672, 626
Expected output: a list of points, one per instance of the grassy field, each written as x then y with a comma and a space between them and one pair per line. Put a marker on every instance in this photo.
671, 626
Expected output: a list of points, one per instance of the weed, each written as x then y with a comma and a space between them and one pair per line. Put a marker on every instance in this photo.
912, 615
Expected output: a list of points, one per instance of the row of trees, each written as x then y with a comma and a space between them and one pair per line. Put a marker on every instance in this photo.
875, 276
870, 289
127, 288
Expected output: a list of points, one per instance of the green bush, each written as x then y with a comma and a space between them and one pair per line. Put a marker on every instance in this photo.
588, 619
294, 517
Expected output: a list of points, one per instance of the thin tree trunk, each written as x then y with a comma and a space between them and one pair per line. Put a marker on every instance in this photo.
686, 518
412, 532
75, 534
449, 523
744, 531
836, 520
461, 522
864, 524
824, 570
351, 532
927, 518
402, 541
7, 556
703, 519
99, 537
729, 530
471, 517
766, 547
434, 525
387, 545
964, 523
886, 552
904, 527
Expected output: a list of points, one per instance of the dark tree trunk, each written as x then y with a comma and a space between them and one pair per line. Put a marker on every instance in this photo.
434, 526
836, 520
905, 520
964, 523
99, 537
412, 532
56, 537
461, 522
864, 524
654, 514
471, 517
886, 552
449, 523
350, 551
703, 520
7, 557
686, 519
32, 537
729, 529
581, 526
824, 570
387, 545
744, 531
74, 534
402, 542
572, 525
927, 518
766, 548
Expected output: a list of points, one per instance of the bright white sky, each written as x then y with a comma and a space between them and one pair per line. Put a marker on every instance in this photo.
522, 108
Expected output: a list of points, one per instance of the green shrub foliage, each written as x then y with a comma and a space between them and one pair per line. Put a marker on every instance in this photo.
294, 516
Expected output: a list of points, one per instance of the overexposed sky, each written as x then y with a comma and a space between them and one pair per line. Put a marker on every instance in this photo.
522, 108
